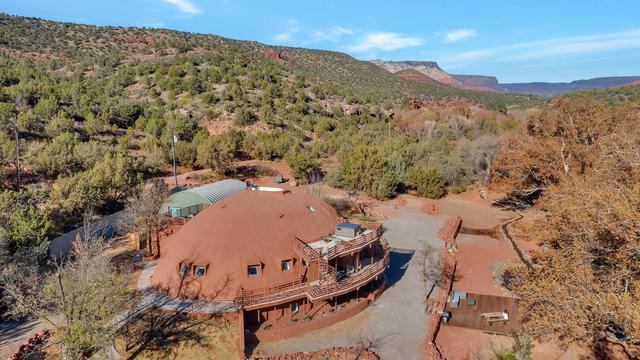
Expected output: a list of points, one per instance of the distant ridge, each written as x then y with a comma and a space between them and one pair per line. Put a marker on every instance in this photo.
432, 70
553, 89
490, 83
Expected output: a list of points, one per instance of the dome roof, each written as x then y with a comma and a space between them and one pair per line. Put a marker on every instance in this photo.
251, 227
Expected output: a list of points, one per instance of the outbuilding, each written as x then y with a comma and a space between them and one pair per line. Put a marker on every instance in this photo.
187, 203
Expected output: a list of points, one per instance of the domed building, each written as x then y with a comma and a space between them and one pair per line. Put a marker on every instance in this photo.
285, 259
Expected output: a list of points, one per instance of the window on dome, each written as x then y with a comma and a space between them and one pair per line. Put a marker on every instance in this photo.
253, 270
286, 265
184, 269
201, 271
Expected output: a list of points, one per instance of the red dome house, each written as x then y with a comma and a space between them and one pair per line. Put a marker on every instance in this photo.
284, 259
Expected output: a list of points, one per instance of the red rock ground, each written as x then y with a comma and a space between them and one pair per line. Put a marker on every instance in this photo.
477, 258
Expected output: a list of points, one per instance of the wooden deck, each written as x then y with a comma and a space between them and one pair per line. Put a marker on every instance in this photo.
468, 316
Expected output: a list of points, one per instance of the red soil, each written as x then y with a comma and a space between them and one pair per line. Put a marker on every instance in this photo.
430, 209
337, 353
459, 343
477, 257
272, 54
417, 77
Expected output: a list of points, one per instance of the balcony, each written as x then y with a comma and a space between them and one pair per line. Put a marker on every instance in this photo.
355, 244
335, 246
251, 299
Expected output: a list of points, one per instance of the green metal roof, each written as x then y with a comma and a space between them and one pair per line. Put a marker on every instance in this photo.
206, 194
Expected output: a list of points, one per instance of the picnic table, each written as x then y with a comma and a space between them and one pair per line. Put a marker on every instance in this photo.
495, 316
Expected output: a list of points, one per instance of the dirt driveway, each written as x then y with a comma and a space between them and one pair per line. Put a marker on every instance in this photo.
396, 321
13, 332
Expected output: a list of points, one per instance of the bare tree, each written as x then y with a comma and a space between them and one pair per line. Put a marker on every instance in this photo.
142, 214
79, 296
485, 151
367, 343
521, 345
430, 263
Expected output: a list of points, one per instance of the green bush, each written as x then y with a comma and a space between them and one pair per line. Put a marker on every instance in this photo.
360, 168
505, 355
60, 123
304, 168
186, 153
384, 187
244, 116
458, 188
269, 145
427, 181
55, 158
216, 153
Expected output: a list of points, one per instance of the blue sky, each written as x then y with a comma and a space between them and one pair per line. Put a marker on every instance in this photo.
515, 40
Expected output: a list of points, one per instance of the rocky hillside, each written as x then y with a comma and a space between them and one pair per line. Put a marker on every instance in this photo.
482, 81
433, 71
48, 40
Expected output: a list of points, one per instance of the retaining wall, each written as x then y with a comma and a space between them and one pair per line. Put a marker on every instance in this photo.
448, 234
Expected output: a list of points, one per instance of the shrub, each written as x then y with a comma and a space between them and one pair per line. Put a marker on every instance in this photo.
216, 153
244, 116
427, 181
304, 168
186, 153
384, 187
60, 123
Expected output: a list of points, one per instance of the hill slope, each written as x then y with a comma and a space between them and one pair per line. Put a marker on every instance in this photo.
49, 40
553, 89
613, 95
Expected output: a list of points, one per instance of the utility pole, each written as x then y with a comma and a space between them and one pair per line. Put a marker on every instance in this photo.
17, 156
173, 153
16, 132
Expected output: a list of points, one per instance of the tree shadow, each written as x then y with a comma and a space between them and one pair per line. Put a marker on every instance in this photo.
12, 330
398, 263
178, 311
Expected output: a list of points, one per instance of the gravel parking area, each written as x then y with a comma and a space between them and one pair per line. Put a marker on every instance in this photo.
396, 321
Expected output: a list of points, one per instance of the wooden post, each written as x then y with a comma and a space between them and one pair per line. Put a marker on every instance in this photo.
357, 261
241, 324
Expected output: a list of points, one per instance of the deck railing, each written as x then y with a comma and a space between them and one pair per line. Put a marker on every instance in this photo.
351, 282
354, 244
341, 248
327, 272
304, 250
249, 298
272, 293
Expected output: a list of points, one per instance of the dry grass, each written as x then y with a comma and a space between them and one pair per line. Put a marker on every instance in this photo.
193, 339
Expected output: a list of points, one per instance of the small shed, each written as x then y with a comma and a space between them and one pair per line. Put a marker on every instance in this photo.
107, 227
189, 202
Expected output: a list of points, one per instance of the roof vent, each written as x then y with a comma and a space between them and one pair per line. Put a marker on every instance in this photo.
268, 189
